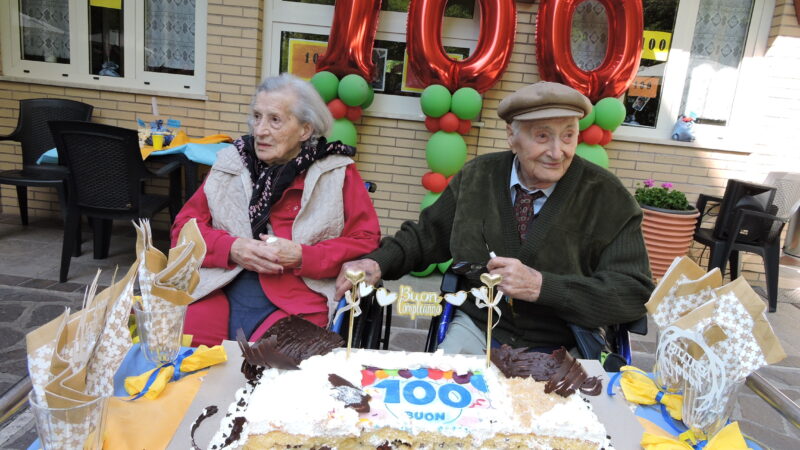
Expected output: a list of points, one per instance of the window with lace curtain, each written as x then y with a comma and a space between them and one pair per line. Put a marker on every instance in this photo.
699, 60
144, 45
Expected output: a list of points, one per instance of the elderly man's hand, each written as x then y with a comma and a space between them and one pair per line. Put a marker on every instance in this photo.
254, 255
370, 267
519, 281
288, 254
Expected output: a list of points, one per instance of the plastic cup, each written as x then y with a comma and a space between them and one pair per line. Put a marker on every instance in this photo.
160, 331
158, 141
76, 427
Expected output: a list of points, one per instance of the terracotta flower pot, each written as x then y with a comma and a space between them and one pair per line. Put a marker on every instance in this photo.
667, 235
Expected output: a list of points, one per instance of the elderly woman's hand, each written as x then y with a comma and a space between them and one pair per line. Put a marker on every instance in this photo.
254, 255
288, 254
370, 267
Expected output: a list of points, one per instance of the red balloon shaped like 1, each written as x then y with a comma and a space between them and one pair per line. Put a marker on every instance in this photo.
617, 70
352, 38
337, 108
483, 68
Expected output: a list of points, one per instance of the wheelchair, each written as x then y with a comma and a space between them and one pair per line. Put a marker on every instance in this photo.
610, 345
371, 329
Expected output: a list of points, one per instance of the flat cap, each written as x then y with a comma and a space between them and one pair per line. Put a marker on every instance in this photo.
544, 100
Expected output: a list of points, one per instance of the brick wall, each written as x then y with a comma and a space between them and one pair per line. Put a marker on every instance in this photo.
392, 152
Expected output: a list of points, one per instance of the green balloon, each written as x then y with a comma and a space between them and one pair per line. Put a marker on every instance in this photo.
343, 130
353, 90
429, 199
446, 152
370, 98
609, 114
435, 100
593, 153
326, 84
427, 271
467, 103
445, 265
587, 121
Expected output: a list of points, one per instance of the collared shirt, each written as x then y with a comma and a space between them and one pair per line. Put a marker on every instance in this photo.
539, 202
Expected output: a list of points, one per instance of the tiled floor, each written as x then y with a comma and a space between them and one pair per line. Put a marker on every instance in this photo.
30, 296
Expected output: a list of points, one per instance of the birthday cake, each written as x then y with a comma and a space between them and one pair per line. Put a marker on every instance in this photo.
380, 399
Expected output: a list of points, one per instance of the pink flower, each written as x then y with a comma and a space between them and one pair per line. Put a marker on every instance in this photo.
649, 182
666, 185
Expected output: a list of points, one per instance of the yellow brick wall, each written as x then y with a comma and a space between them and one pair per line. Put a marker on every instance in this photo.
392, 152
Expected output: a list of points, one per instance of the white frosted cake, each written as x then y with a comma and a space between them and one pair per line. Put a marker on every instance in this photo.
407, 400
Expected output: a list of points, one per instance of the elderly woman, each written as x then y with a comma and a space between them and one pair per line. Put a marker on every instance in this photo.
280, 211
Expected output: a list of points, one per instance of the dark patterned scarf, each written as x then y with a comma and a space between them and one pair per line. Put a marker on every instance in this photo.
269, 182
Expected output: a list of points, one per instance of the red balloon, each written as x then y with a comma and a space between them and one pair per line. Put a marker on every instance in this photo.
351, 39
449, 122
432, 124
353, 113
463, 126
606, 138
592, 135
554, 50
338, 108
449, 178
434, 182
483, 68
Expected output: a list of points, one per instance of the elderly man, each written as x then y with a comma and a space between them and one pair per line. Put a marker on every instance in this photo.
567, 233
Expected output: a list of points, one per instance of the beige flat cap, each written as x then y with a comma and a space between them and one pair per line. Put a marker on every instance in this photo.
544, 100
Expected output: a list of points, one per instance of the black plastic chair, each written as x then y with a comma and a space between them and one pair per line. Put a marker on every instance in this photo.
106, 182
35, 138
750, 219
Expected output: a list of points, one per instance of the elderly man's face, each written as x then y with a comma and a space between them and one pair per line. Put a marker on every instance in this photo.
278, 133
545, 148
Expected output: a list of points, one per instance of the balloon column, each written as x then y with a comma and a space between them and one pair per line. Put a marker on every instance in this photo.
596, 129
346, 98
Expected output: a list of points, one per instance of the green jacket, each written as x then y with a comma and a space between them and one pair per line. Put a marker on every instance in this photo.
586, 241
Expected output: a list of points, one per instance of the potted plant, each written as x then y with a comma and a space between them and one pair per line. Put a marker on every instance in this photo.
668, 224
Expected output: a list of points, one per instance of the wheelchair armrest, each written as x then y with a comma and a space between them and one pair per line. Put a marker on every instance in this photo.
638, 326
449, 282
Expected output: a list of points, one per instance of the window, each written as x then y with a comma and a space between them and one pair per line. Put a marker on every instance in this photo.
154, 46
296, 34
697, 61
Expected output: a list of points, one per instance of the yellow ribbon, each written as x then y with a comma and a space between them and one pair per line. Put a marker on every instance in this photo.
201, 358
729, 438
641, 389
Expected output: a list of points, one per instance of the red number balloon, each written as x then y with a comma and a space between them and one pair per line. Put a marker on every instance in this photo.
351, 40
483, 68
615, 73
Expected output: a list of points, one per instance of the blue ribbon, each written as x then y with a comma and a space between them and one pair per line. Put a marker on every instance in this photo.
614, 381
176, 375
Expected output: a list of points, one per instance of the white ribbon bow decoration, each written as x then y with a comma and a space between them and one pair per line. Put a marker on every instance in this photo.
482, 301
351, 304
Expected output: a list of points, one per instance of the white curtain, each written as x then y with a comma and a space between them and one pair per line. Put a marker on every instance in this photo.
45, 29
720, 34
169, 35
589, 36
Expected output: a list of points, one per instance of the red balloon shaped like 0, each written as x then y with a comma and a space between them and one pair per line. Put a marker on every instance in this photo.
434, 182
353, 113
554, 49
606, 138
432, 124
449, 122
351, 40
592, 135
338, 108
464, 126
483, 68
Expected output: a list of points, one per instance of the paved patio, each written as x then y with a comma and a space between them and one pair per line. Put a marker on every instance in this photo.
31, 296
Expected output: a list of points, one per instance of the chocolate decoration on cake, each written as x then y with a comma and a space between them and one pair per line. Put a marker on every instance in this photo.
208, 411
562, 372
265, 352
352, 396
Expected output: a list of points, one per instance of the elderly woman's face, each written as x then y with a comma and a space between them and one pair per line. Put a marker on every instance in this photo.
278, 133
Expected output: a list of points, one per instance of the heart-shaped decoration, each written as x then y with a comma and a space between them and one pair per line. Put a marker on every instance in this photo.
364, 289
385, 297
456, 299
491, 280
481, 293
354, 276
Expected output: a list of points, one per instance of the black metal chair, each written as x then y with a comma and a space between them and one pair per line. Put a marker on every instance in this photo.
35, 138
750, 219
106, 182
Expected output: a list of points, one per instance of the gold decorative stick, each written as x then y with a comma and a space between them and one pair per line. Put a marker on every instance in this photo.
491, 302
354, 277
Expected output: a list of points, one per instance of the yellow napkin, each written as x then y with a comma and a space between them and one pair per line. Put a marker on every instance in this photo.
729, 438
201, 358
641, 389
182, 139
150, 423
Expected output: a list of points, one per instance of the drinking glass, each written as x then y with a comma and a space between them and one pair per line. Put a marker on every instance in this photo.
78, 427
160, 331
